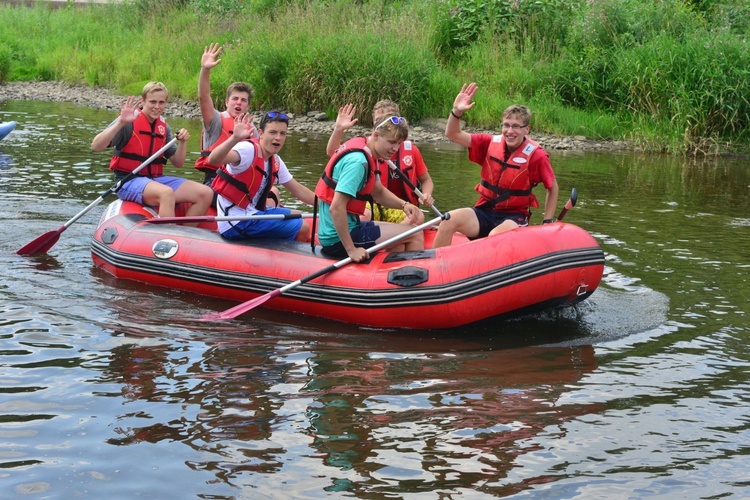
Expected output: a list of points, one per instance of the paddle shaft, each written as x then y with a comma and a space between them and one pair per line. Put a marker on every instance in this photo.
253, 303
570, 204
118, 185
370, 251
409, 183
217, 218
45, 241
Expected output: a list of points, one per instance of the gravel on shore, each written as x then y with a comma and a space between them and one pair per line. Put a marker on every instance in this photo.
430, 130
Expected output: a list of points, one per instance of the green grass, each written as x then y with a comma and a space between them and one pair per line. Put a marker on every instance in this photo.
669, 75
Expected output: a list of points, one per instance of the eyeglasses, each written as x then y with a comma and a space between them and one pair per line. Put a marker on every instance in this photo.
514, 126
396, 120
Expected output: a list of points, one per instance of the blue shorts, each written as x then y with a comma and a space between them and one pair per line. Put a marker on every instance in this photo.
364, 236
133, 189
280, 229
489, 220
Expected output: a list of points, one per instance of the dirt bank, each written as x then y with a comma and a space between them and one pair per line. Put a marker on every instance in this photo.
314, 122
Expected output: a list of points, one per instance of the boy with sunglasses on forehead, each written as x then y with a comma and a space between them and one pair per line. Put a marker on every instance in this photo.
408, 159
512, 164
249, 170
348, 181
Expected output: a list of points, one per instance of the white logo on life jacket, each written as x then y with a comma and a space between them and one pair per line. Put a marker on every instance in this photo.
518, 159
529, 149
407, 161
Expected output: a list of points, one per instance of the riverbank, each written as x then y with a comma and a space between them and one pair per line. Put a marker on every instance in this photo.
313, 122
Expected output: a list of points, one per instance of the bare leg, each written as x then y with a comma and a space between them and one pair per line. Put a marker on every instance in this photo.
389, 230
462, 220
304, 233
159, 194
507, 225
198, 195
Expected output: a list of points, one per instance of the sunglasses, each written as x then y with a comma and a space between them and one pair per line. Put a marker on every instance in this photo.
396, 120
273, 115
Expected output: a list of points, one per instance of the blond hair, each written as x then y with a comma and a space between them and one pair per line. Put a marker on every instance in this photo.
399, 130
153, 87
384, 108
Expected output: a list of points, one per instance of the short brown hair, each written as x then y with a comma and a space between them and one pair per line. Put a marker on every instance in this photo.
517, 111
240, 87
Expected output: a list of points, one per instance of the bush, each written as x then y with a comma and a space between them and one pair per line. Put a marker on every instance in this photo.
542, 24
6, 54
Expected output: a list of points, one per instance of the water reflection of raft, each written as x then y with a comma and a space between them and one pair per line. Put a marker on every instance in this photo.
525, 270
6, 128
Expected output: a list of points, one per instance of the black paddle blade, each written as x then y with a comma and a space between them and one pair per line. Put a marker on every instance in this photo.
42, 243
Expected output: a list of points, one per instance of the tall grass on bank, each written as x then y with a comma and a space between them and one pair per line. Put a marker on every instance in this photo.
670, 75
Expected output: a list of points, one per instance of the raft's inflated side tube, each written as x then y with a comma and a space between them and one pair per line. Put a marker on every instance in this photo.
515, 272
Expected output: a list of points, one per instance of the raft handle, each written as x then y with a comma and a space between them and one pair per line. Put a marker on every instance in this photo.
408, 276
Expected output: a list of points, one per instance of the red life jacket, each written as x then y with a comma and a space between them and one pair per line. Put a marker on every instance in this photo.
146, 139
404, 160
506, 186
227, 127
326, 186
240, 189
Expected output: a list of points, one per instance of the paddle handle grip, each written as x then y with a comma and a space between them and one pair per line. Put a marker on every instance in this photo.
569, 204
411, 185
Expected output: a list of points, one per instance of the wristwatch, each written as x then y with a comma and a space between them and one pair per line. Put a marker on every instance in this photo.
548, 221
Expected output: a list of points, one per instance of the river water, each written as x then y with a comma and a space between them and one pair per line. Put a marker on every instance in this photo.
112, 389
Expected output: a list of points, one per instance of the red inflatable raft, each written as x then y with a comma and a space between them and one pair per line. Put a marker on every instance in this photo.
521, 271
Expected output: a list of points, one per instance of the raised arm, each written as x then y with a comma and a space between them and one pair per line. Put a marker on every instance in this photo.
223, 153
344, 121
208, 61
127, 116
178, 159
462, 103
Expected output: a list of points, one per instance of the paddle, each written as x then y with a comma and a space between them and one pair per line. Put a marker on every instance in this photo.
409, 183
48, 239
570, 204
253, 303
216, 218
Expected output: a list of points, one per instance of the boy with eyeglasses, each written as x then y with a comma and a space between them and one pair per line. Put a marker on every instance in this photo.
408, 159
347, 183
512, 164
249, 169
